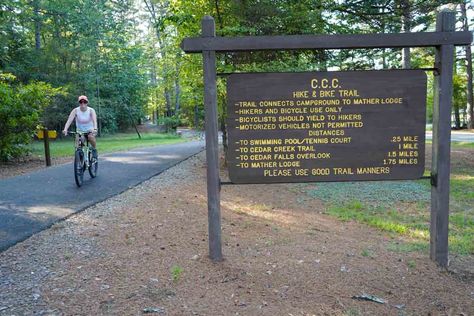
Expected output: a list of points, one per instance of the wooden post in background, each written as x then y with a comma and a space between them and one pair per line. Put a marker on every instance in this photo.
47, 155
440, 168
212, 150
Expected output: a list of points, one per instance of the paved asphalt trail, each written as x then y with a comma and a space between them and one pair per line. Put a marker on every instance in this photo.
33, 202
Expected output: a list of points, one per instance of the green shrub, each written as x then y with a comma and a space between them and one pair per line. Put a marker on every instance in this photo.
171, 122
20, 109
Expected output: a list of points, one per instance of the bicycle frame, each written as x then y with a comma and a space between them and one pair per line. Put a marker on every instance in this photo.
84, 146
83, 158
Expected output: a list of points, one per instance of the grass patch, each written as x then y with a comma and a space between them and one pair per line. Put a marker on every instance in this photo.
370, 192
176, 272
454, 145
379, 217
352, 312
367, 253
461, 145
413, 224
403, 208
110, 143
406, 247
462, 188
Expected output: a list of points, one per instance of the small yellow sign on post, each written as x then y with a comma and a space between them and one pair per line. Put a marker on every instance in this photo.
51, 134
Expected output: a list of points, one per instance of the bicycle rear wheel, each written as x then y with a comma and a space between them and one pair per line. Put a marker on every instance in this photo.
79, 167
93, 164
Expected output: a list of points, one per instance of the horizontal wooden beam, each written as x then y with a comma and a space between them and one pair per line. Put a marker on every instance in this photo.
301, 42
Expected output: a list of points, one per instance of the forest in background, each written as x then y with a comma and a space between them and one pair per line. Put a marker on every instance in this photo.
125, 55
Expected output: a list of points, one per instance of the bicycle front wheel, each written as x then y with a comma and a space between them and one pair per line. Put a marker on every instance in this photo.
93, 164
79, 167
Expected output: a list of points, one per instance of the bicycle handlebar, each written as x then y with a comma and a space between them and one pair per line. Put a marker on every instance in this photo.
78, 133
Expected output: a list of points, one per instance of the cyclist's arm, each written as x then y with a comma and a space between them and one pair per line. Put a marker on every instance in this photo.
94, 119
69, 121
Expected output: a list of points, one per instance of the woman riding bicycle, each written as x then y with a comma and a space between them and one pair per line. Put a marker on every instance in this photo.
86, 121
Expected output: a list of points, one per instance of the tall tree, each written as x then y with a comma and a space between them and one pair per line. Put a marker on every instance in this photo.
158, 11
405, 9
37, 21
468, 63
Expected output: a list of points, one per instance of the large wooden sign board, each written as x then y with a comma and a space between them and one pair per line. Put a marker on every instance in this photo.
380, 137
326, 126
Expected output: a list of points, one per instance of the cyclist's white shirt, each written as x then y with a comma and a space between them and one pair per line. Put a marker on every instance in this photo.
84, 121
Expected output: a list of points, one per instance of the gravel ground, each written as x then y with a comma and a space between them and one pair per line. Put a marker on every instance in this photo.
145, 251
27, 165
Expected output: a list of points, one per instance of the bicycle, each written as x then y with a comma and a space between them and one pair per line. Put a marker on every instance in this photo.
83, 158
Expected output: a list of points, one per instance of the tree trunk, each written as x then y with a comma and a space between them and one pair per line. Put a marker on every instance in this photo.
470, 98
177, 95
224, 139
322, 58
154, 99
37, 19
406, 26
169, 111
455, 105
196, 116
152, 9
219, 17
384, 50
223, 127
457, 117
177, 87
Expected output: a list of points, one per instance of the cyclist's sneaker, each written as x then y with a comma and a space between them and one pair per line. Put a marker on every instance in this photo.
94, 154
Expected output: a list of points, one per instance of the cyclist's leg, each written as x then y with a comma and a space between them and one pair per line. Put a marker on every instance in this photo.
93, 142
77, 140
91, 139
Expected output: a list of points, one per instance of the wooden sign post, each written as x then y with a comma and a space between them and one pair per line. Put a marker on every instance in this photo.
212, 149
47, 155
440, 167
444, 40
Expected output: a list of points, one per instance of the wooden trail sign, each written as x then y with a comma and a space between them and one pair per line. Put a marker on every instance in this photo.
443, 40
326, 126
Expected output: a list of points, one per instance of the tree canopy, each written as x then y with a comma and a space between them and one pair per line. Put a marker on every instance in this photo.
125, 55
